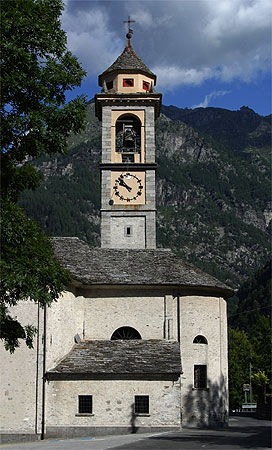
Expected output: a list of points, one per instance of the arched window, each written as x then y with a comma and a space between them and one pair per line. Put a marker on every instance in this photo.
200, 340
125, 333
128, 137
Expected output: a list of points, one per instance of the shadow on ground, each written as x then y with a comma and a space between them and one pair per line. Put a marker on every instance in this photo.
247, 437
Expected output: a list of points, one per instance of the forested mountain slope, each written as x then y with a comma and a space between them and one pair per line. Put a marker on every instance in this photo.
252, 302
212, 194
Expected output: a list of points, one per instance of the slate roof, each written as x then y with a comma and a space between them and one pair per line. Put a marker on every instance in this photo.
129, 62
149, 267
121, 357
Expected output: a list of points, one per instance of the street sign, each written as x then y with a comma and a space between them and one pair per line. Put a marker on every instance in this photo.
246, 387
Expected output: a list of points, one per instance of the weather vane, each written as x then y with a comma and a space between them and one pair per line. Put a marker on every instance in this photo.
130, 31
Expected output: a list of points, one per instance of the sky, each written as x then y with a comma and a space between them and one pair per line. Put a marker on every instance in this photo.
214, 53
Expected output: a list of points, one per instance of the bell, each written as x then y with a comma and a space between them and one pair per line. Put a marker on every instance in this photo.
129, 136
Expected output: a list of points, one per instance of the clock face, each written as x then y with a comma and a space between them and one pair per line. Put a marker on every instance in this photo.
128, 188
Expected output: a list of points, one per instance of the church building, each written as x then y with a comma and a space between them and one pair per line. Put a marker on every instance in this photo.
138, 342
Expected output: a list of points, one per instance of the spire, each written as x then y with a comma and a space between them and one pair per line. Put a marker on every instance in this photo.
130, 31
128, 61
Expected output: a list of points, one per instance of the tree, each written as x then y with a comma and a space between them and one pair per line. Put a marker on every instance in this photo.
253, 316
261, 339
37, 70
239, 356
29, 271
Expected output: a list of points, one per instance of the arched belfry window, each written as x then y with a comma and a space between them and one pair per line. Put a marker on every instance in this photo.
200, 340
126, 333
128, 137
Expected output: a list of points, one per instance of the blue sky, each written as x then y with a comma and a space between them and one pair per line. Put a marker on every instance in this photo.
204, 52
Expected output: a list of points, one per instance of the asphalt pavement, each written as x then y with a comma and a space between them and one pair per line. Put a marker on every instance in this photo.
244, 432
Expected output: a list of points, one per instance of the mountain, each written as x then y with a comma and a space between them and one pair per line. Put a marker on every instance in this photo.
213, 188
238, 131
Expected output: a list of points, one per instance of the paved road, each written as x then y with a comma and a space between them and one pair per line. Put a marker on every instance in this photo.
243, 433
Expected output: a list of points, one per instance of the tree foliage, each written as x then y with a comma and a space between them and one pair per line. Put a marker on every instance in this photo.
29, 271
252, 320
254, 300
239, 357
37, 71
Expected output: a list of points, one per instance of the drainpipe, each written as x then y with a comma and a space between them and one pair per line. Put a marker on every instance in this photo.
44, 370
37, 371
178, 318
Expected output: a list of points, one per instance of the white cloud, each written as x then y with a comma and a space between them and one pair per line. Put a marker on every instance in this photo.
183, 42
89, 38
209, 97
171, 77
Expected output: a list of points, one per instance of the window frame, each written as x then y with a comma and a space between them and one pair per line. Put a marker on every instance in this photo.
125, 333
109, 85
81, 407
202, 338
130, 233
201, 379
147, 83
144, 406
125, 80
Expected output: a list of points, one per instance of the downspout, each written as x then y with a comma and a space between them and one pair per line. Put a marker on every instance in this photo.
44, 370
178, 337
178, 318
37, 372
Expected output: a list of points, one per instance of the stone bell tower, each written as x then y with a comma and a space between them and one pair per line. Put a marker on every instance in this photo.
128, 107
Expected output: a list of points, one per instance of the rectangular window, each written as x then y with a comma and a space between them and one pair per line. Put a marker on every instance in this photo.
141, 404
200, 377
146, 86
127, 158
128, 230
109, 85
128, 82
85, 404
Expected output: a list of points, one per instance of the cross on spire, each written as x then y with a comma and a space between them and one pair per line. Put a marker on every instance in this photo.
130, 31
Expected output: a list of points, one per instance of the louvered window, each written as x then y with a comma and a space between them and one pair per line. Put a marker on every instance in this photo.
128, 82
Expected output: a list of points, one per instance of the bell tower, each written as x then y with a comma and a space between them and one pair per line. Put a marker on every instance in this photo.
128, 107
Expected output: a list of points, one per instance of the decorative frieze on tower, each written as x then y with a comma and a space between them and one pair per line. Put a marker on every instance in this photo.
128, 107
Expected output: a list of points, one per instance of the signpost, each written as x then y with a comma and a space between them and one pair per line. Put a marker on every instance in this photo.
246, 389
248, 406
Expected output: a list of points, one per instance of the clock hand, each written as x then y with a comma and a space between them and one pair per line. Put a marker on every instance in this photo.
122, 183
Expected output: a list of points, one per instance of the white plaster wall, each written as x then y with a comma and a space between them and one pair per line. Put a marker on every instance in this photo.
65, 319
113, 403
205, 316
18, 379
98, 314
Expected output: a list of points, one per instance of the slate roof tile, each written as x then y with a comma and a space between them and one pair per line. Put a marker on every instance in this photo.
128, 61
160, 267
143, 357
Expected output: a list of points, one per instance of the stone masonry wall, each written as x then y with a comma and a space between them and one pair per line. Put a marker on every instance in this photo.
113, 403
204, 316
113, 236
